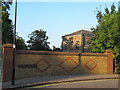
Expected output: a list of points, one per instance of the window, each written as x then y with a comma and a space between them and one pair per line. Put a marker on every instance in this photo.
77, 47
64, 39
71, 38
71, 41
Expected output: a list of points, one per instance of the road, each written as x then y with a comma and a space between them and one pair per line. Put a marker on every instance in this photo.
108, 83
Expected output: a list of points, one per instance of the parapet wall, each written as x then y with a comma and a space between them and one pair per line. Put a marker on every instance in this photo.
47, 63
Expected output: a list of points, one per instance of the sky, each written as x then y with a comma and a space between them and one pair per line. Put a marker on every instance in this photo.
56, 18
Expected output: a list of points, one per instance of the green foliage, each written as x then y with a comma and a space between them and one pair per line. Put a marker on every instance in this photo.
20, 43
107, 33
0, 12
56, 49
117, 70
38, 40
7, 27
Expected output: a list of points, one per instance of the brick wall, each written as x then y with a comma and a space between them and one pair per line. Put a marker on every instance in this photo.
7, 57
47, 63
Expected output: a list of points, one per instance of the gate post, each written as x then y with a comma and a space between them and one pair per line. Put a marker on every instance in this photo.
7, 62
109, 61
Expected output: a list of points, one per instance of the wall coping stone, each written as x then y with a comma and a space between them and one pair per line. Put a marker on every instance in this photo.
8, 45
58, 53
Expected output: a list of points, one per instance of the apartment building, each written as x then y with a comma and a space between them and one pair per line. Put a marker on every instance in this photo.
77, 41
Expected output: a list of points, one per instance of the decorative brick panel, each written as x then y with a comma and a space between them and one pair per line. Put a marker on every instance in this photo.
69, 64
90, 64
42, 65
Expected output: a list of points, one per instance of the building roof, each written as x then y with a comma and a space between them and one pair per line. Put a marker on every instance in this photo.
84, 32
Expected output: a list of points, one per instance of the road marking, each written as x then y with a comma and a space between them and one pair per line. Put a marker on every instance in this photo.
61, 83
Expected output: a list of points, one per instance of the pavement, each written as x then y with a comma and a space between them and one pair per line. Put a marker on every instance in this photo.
43, 80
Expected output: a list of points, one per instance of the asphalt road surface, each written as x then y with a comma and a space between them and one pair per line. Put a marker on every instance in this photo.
108, 83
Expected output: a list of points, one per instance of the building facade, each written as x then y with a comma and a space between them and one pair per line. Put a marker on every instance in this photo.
77, 41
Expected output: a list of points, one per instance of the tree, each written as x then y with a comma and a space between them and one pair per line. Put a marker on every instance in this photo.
56, 48
107, 32
38, 40
7, 27
20, 43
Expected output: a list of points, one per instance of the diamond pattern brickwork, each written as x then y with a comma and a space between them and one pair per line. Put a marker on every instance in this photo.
69, 64
42, 65
90, 64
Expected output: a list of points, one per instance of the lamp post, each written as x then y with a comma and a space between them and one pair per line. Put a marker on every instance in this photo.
14, 44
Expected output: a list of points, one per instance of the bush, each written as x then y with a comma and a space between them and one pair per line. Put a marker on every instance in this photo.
117, 69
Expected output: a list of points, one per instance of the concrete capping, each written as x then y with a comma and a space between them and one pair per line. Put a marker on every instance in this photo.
45, 52
58, 53
8, 45
93, 54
